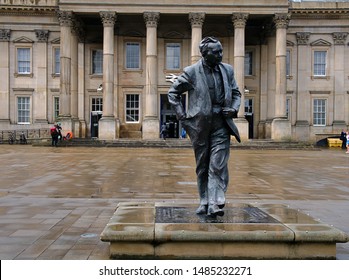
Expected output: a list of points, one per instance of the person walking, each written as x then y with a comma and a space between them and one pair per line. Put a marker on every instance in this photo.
343, 138
59, 130
54, 135
163, 132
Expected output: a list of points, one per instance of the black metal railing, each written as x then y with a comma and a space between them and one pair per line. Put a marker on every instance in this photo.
23, 136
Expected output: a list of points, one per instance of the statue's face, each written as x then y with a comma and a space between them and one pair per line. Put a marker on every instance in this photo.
214, 54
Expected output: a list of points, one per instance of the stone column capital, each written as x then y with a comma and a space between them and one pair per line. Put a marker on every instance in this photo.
197, 19
5, 35
339, 38
282, 20
78, 29
239, 19
42, 35
302, 38
151, 18
108, 18
65, 18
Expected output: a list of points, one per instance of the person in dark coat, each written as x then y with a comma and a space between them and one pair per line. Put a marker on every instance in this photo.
164, 131
343, 137
213, 100
54, 135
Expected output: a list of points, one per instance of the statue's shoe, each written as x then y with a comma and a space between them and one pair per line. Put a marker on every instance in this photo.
214, 210
202, 209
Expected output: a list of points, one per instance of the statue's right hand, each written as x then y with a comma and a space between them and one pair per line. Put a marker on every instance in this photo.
182, 117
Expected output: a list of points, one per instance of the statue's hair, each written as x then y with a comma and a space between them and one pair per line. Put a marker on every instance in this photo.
204, 44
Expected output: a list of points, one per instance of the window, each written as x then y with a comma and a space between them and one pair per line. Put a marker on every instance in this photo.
320, 63
288, 63
23, 60
248, 63
288, 104
173, 54
23, 110
248, 106
133, 56
97, 62
56, 107
97, 104
57, 62
132, 108
319, 112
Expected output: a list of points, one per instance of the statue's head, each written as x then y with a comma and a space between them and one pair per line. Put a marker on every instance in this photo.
211, 50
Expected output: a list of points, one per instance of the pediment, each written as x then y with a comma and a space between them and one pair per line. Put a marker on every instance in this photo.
320, 42
133, 33
290, 43
56, 41
23, 39
174, 34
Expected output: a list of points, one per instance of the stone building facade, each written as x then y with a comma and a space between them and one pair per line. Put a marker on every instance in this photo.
100, 67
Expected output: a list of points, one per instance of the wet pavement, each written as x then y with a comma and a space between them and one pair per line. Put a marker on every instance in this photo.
55, 202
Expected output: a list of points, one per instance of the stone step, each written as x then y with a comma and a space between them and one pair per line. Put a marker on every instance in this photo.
176, 143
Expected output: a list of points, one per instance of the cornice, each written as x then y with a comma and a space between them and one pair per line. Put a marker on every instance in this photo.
319, 13
27, 10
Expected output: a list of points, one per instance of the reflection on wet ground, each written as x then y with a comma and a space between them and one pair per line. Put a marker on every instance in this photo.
57, 185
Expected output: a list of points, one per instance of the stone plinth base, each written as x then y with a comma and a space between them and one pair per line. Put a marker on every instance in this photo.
302, 131
242, 125
281, 129
82, 131
150, 128
160, 231
69, 124
106, 128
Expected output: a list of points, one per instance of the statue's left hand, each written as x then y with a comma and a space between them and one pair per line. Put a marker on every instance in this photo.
229, 112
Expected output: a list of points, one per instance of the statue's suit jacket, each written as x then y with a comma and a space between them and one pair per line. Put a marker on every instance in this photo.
193, 81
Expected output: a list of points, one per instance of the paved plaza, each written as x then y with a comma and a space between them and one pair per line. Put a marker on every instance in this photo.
55, 202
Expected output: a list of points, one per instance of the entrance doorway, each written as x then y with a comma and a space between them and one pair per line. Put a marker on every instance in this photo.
95, 117
249, 116
168, 117
96, 114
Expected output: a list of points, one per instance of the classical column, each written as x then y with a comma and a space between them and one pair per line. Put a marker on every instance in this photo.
107, 122
40, 96
5, 35
196, 22
263, 108
151, 120
76, 40
81, 89
339, 103
239, 21
116, 89
303, 98
65, 20
281, 127
74, 68
281, 23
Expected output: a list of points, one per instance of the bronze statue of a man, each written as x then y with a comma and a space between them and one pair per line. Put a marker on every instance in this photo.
214, 99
